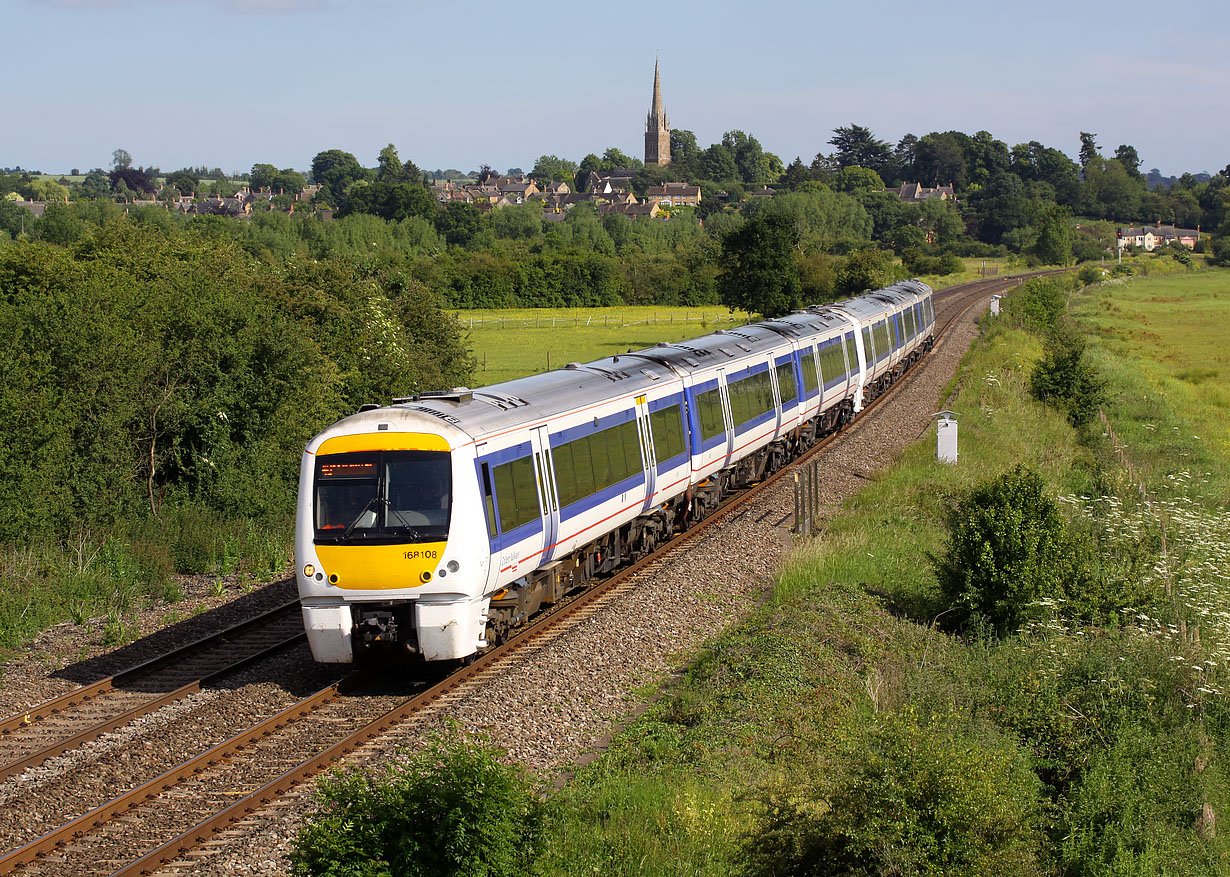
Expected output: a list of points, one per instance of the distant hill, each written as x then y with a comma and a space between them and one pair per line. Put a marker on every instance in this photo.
1156, 179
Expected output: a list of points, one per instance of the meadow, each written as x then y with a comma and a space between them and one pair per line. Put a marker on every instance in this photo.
513, 343
510, 343
845, 728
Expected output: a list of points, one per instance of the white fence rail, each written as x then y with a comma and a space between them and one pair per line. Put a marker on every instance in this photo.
550, 321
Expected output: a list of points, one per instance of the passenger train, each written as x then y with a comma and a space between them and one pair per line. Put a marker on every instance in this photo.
438, 524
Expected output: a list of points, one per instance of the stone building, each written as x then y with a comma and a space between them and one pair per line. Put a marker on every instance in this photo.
657, 127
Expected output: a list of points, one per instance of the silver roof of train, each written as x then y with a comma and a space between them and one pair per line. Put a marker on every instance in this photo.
486, 410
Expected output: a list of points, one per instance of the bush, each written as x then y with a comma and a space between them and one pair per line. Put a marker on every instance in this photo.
452, 809
1008, 548
1065, 379
919, 798
918, 262
1037, 305
1220, 251
1090, 274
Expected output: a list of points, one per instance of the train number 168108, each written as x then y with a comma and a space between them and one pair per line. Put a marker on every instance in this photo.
422, 555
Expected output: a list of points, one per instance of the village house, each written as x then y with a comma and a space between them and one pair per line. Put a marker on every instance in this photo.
1152, 237
673, 195
915, 193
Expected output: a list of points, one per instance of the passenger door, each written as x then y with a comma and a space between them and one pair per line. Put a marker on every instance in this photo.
544, 471
727, 415
649, 456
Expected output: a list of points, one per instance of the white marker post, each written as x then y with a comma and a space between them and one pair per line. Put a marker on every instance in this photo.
946, 436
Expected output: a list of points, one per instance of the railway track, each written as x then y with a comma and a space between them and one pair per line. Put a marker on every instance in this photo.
41, 732
171, 814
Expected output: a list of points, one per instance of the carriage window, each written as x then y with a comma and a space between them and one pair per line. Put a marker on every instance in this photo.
709, 408
810, 381
589, 464
785, 383
667, 427
516, 493
750, 397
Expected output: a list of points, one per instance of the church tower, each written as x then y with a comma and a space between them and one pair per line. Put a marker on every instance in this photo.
657, 127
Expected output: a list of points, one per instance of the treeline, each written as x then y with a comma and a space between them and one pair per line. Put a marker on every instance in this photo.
144, 373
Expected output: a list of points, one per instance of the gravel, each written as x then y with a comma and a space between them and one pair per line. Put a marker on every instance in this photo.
548, 710
557, 705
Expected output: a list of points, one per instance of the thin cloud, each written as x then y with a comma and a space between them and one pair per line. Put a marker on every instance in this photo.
239, 6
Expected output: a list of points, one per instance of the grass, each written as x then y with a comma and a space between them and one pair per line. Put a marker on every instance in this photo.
514, 343
111, 574
1163, 343
1124, 727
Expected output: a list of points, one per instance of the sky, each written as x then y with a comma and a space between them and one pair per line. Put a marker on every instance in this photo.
230, 83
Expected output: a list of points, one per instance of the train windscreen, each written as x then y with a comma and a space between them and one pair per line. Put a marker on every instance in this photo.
383, 497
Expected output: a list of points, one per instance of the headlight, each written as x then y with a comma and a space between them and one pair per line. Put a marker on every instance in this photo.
309, 570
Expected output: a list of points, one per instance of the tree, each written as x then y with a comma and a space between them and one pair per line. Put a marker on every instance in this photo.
337, 170
748, 155
684, 150
553, 169
1054, 242
758, 271
391, 169
47, 190
96, 184
1089, 149
391, 201
130, 181
856, 145
615, 158
853, 180
903, 158
718, 163
940, 160
184, 181
1130, 159
458, 222
588, 165
795, 175
121, 160
865, 270
999, 208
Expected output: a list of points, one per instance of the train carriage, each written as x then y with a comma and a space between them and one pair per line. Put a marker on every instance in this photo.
442, 522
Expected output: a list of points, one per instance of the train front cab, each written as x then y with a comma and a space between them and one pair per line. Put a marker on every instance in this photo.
384, 559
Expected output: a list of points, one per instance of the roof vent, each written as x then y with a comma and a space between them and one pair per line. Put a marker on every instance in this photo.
368, 406
456, 395
573, 366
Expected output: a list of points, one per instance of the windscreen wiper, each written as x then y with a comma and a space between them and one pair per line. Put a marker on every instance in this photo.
366, 508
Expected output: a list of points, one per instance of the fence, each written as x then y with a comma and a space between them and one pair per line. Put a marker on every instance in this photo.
540, 321
806, 498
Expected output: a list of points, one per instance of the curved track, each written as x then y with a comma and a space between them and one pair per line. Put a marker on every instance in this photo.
171, 814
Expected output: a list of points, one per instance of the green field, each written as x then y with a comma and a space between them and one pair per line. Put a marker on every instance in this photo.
510, 344
1167, 342
842, 727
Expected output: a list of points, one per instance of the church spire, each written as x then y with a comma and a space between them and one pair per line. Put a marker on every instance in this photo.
657, 126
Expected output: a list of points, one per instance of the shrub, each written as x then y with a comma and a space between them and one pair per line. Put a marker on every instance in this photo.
1008, 548
1037, 305
452, 809
918, 798
1221, 251
1090, 274
1065, 379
